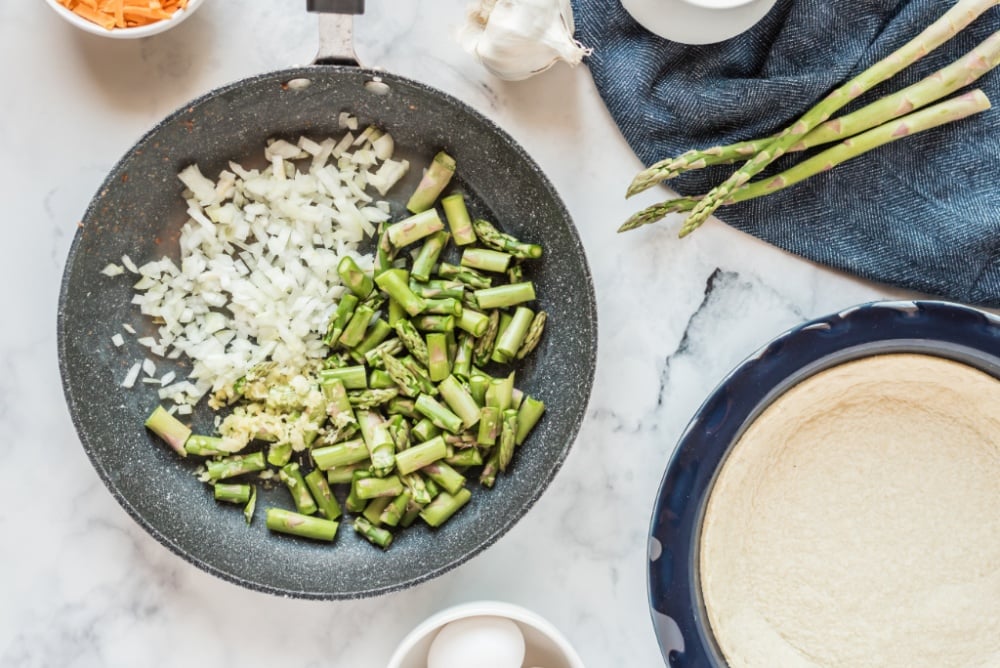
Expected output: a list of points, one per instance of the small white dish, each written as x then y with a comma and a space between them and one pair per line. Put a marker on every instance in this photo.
697, 21
545, 646
126, 33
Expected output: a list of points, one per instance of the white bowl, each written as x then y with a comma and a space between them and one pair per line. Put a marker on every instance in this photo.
126, 33
545, 646
697, 21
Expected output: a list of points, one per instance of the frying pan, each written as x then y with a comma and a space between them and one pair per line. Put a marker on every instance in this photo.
139, 211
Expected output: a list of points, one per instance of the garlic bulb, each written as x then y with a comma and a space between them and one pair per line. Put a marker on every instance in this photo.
515, 39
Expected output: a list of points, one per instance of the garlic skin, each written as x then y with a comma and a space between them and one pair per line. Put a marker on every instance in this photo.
516, 39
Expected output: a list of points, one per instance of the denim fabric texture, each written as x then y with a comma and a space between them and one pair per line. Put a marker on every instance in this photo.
922, 213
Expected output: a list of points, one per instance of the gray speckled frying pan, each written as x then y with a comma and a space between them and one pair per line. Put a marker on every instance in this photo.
138, 211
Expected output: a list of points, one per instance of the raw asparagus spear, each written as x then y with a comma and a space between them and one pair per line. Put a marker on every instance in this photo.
947, 26
296, 524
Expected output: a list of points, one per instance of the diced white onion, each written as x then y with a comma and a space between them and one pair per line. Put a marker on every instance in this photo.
113, 269
132, 375
118, 340
256, 278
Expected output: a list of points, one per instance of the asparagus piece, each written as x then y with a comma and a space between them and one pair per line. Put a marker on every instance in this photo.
462, 367
515, 274
429, 407
381, 448
478, 384
955, 19
373, 511
446, 306
373, 534
473, 322
405, 380
533, 335
231, 493
169, 428
401, 406
438, 511
354, 277
396, 312
418, 490
340, 454
424, 430
500, 392
514, 335
437, 356
489, 425
344, 475
279, 454
292, 477
497, 240
484, 345
485, 259
356, 327
445, 476
419, 456
420, 373
954, 109
373, 488
434, 180
373, 357
466, 457
338, 408
325, 500
412, 340
508, 436
460, 401
377, 333
428, 255
528, 415
251, 505
385, 252
379, 379
368, 399
488, 474
230, 467
354, 503
394, 512
458, 219
438, 288
945, 81
414, 228
296, 524
505, 295
204, 446
396, 283
399, 430
466, 275
412, 513
435, 323
352, 378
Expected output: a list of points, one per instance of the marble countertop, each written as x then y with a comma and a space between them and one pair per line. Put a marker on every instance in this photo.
83, 585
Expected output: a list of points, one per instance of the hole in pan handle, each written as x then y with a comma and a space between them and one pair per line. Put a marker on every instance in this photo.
336, 30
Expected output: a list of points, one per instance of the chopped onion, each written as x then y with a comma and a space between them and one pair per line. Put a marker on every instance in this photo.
118, 340
132, 375
113, 270
256, 278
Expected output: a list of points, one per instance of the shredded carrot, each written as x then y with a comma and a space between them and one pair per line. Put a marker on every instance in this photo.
110, 14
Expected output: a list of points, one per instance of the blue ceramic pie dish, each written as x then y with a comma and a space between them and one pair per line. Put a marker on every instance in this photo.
943, 329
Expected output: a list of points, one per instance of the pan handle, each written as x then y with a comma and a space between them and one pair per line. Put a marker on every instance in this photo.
336, 30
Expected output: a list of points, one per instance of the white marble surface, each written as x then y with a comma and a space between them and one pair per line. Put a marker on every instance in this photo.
82, 585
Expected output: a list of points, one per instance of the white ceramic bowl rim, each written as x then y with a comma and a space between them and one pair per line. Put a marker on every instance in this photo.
484, 609
124, 33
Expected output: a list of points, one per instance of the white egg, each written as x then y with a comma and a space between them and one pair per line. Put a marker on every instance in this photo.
482, 642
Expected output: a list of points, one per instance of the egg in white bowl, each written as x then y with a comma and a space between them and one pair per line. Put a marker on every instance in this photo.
485, 634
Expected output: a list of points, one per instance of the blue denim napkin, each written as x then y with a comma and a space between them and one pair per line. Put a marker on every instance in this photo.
922, 213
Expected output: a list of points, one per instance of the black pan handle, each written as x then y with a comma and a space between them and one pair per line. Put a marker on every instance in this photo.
336, 30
